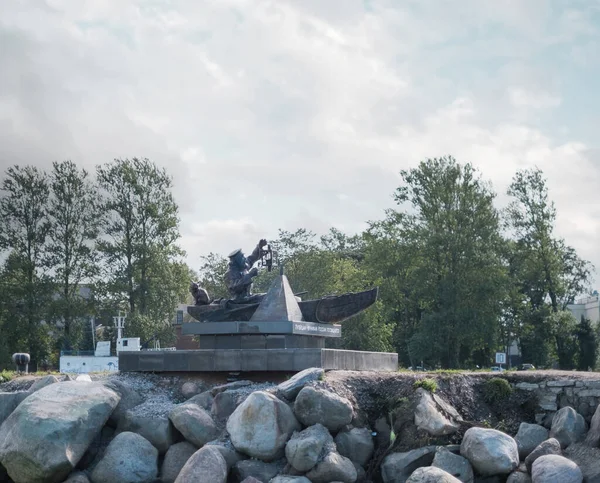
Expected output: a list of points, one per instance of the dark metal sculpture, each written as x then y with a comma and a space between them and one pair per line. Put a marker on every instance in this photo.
240, 273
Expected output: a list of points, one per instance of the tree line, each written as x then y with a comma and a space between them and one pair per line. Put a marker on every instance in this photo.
459, 278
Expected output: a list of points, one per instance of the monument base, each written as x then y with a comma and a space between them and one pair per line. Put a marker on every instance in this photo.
256, 360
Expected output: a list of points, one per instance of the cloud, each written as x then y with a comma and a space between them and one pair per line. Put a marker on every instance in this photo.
271, 114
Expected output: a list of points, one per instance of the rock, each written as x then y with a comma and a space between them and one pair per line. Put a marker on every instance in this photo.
290, 388
83, 378
190, 389
205, 466
194, 423
129, 400
251, 479
158, 430
46, 436
305, 448
290, 479
42, 382
229, 387
550, 446
552, 468
316, 405
490, 452
204, 400
432, 417
431, 474
129, 457
356, 445
588, 460
9, 402
77, 477
568, 427
360, 472
397, 467
593, 436
224, 403
261, 426
231, 456
175, 459
256, 469
457, 466
334, 467
518, 477
97, 448
529, 437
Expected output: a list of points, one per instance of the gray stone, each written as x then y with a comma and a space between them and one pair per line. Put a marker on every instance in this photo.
529, 437
568, 427
83, 378
129, 399
305, 448
129, 457
251, 479
457, 466
361, 474
9, 402
490, 452
205, 466
356, 445
158, 430
256, 469
588, 460
192, 388
334, 467
290, 479
397, 467
224, 403
204, 400
261, 426
593, 435
550, 446
96, 449
527, 386
555, 469
231, 456
561, 383
316, 405
46, 436
290, 388
77, 477
175, 459
432, 417
518, 477
42, 382
229, 386
431, 474
196, 425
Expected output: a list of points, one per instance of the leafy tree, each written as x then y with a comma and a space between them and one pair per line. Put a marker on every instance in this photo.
23, 210
212, 273
74, 221
588, 345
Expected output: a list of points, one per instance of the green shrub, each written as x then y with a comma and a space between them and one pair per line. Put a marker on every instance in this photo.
6, 376
427, 384
496, 389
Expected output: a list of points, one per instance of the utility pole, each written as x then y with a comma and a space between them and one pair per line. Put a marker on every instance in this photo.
92, 321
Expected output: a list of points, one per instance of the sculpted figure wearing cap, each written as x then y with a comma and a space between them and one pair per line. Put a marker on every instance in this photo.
240, 272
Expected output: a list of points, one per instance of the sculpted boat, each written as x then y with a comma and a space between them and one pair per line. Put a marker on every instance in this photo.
327, 310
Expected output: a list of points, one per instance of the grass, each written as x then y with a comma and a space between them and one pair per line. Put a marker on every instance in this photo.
6, 376
427, 384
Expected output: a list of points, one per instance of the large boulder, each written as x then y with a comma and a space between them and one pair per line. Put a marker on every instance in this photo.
9, 402
204, 400
529, 437
553, 468
191, 388
205, 466
588, 460
290, 388
290, 479
568, 427
550, 446
224, 403
434, 416
316, 405
305, 448
334, 467
257, 469
593, 435
397, 467
196, 425
129, 457
42, 382
77, 477
49, 432
491, 452
518, 477
456, 465
231, 455
175, 459
431, 474
129, 400
356, 445
261, 426
158, 430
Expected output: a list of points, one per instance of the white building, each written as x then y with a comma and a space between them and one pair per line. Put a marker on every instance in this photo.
589, 307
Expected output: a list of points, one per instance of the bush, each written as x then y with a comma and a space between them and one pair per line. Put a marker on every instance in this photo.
427, 384
496, 389
6, 376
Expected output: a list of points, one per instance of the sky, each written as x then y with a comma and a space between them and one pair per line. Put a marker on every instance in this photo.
301, 114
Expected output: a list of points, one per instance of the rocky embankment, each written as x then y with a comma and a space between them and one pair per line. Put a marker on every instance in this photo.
339, 426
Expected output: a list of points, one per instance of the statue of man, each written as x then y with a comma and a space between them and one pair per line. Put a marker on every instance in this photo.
240, 272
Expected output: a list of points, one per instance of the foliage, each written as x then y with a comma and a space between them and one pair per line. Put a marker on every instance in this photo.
496, 390
6, 376
427, 384
588, 345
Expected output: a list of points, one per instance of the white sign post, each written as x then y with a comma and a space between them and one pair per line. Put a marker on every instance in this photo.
500, 358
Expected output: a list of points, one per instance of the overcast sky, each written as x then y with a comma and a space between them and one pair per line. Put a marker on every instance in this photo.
287, 114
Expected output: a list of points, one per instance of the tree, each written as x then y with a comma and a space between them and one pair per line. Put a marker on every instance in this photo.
25, 226
74, 222
588, 345
211, 276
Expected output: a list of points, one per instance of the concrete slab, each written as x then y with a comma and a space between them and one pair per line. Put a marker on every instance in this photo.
256, 360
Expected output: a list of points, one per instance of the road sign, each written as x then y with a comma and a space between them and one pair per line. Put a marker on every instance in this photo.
500, 358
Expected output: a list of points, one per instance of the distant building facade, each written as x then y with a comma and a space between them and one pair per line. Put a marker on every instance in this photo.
588, 307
